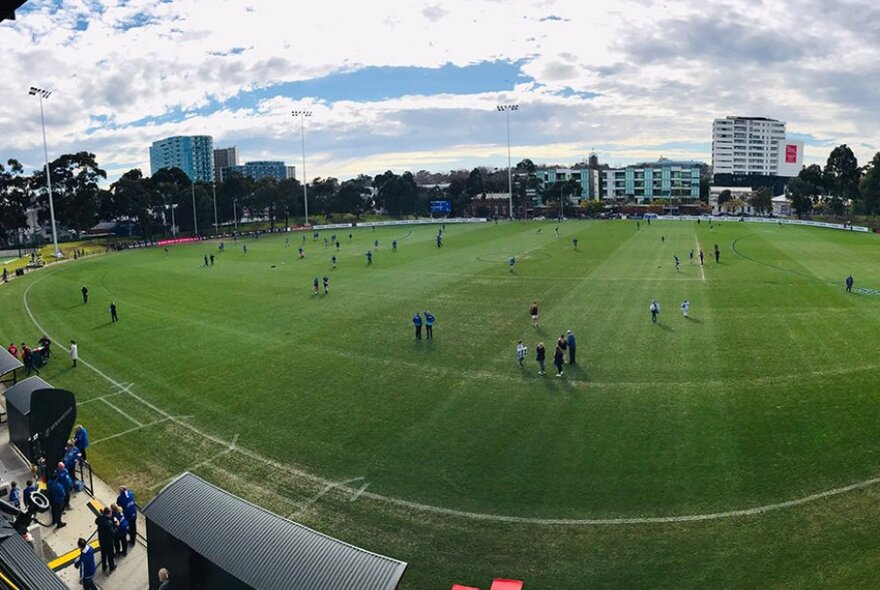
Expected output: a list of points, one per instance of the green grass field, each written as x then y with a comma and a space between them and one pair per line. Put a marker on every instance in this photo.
445, 453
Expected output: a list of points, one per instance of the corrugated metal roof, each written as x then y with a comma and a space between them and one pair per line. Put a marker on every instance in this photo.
262, 549
19, 395
20, 563
8, 363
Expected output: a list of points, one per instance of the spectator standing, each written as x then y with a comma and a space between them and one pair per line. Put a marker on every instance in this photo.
429, 325
27, 357
71, 458
63, 478
85, 563
74, 352
849, 286
113, 316
81, 439
533, 311
56, 501
129, 509
120, 543
85, 292
13, 349
14, 494
540, 356
164, 576
571, 347
106, 538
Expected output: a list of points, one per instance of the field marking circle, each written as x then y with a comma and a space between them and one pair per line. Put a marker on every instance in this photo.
430, 508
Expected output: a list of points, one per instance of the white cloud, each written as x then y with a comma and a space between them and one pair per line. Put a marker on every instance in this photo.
662, 72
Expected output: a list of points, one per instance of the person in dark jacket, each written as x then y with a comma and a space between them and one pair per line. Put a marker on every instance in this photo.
571, 347
85, 292
129, 508
120, 543
106, 538
558, 360
540, 355
85, 563
56, 501
29, 489
113, 315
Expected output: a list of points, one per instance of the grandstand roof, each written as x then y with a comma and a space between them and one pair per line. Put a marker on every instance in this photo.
20, 564
288, 556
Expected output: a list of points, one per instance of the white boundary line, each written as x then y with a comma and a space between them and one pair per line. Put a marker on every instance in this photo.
330, 485
702, 272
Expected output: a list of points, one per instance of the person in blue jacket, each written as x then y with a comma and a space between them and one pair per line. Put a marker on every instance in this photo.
369, 258
315, 283
70, 459
85, 563
571, 347
439, 240
129, 508
120, 543
81, 439
15, 495
56, 501
394, 246
417, 322
63, 478
429, 325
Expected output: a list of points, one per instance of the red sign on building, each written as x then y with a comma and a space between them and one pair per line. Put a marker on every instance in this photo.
790, 154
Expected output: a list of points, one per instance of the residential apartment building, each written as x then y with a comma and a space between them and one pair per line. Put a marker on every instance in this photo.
752, 152
223, 158
587, 178
653, 180
259, 169
746, 145
192, 154
291, 172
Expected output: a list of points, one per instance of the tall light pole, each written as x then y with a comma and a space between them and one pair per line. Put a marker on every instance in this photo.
506, 108
39, 92
302, 130
235, 214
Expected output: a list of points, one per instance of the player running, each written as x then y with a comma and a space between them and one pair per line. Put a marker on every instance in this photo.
333, 260
533, 312
685, 306
677, 262
512, 263
326, 285
315, 283
655, 310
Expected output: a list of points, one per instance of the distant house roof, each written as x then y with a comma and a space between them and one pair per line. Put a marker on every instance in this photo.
20, 564
288, 556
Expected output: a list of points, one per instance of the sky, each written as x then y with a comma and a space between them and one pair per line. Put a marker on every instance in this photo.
412, 85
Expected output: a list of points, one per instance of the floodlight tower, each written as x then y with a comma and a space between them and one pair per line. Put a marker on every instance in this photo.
302, 129
41, 93
506, 108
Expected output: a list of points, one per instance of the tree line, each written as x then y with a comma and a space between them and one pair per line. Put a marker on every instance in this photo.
148, 201
841, 187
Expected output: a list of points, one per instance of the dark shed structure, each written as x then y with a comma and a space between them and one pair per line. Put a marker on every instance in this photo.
21, 566
208, 538
8, 366
40, 419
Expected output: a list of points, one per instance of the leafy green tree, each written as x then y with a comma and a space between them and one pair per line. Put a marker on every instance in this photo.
870, 187
267, 198
14, 199
131, 198
291, 199
396, 194
474, 184
233, 195
74, 190
723, 197
458, 195
349, 198
805, 190
841, 176
762, 200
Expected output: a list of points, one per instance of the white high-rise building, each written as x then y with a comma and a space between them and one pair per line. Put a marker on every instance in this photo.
747, 146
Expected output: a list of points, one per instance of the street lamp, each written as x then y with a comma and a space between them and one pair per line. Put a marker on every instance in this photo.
214, 191
302, 129
506, 108
39, 92
235, 214
172, 206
